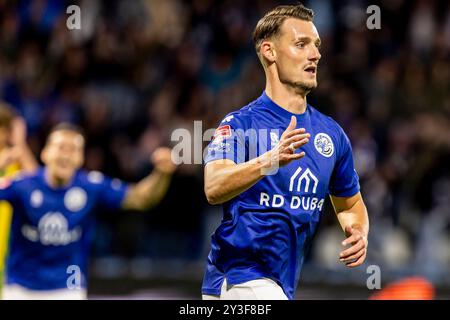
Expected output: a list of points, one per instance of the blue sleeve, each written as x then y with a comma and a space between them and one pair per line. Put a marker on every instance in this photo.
344, 180
7, 189
112, 193
228, 141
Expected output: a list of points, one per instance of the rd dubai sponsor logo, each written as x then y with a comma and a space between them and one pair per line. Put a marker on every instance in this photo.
301, 182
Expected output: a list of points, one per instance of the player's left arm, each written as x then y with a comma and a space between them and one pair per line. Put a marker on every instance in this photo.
354, 220
149, 191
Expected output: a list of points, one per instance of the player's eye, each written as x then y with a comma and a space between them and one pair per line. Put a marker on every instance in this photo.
301, 44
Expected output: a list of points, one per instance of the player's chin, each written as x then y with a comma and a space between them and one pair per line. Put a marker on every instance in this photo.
307, 85
311, 84
65, 173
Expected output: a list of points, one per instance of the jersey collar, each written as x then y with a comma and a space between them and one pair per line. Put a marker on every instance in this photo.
265, 99
63, 188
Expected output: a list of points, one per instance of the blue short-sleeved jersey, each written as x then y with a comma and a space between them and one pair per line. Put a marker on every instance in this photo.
52, 228
266, 230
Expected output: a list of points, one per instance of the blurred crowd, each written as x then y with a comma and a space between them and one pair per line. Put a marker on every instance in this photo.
137, 70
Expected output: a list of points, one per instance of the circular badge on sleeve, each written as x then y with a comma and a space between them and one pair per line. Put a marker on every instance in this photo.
324, 145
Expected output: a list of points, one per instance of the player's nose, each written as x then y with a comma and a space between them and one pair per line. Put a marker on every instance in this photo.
315, 54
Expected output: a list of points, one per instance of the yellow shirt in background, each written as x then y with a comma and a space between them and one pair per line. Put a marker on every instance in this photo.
6, 212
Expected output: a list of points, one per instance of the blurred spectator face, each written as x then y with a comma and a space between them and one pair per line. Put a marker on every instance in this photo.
63, 154
297, 54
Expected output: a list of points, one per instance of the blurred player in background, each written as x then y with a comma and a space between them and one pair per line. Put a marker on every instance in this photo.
14, 156
269, 220
53, 219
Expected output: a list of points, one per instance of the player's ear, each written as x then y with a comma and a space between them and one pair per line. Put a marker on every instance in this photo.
44, 155
268, 51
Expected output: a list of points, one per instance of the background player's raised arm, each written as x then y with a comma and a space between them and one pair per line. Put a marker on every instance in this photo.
224, 179
24, 155
353, 218
17, 149
150, 190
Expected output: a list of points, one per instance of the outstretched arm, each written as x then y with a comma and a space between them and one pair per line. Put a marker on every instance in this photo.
224, 179
149, 191
19, 150
353, 218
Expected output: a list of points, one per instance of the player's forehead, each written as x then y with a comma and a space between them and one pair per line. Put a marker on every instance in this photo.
66, 137
294, 29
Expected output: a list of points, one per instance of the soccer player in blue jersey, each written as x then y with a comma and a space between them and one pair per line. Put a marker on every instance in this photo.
53, 220
271, 164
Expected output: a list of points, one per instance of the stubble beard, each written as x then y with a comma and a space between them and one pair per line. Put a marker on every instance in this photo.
301, 87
